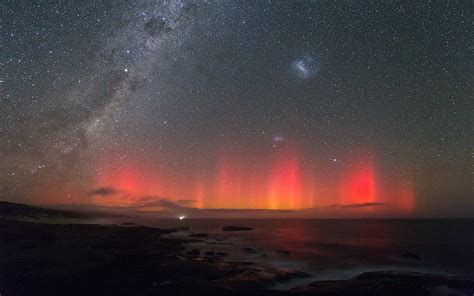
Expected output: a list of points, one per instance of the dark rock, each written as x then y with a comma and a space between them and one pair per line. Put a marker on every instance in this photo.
236, 228
218, 243
194, 252
199, 235
239, 263
168, 231
285, 275
214, 260
48, 259
209, 253
248, 250
392, 283
411, 255
284, 252
128, 224
251, 278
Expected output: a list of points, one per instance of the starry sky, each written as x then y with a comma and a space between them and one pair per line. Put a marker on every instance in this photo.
324, 109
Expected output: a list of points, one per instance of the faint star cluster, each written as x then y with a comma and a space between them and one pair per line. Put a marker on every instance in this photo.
278, 138
305, 67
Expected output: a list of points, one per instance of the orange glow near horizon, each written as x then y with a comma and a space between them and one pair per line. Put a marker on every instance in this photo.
276, 182
403, 195
359, 186
285, 190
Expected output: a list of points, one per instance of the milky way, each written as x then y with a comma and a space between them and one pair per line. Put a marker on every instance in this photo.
228, 104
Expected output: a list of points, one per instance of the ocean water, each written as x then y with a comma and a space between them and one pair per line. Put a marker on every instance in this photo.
340, 249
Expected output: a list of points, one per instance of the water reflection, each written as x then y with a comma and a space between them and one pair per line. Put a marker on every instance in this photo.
343, 248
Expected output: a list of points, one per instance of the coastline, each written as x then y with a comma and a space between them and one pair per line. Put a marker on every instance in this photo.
131, 259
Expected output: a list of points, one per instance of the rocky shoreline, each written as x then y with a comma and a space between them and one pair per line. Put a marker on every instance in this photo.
84, 259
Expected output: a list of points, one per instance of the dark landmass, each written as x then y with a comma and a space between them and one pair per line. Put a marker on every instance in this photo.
236, 228
411, 255
249, 250
199, 235
284, 252
12, 210
128, 224
392, 283
86, 259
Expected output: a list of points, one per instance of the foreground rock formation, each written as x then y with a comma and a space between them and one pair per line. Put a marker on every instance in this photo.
128, 259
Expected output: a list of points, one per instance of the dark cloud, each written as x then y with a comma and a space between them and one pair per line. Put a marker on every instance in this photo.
186, 201
183, 206
104, 191
168, 205
361, 205
164, 203
248, 211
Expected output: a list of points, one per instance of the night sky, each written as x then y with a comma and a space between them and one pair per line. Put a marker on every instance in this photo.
356, 108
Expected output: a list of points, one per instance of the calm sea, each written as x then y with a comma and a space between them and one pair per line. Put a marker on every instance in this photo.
340, 249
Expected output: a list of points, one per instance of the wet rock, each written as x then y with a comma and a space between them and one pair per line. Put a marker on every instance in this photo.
169, 231
410, 255
256, 278
239, 263
128, 224
58, 259
285, 275
162, 283
284, 252
214, 259
199, 235
194, 252
236, 228
248, 250
392, 283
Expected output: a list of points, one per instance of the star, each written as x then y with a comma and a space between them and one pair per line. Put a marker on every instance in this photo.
183, 88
